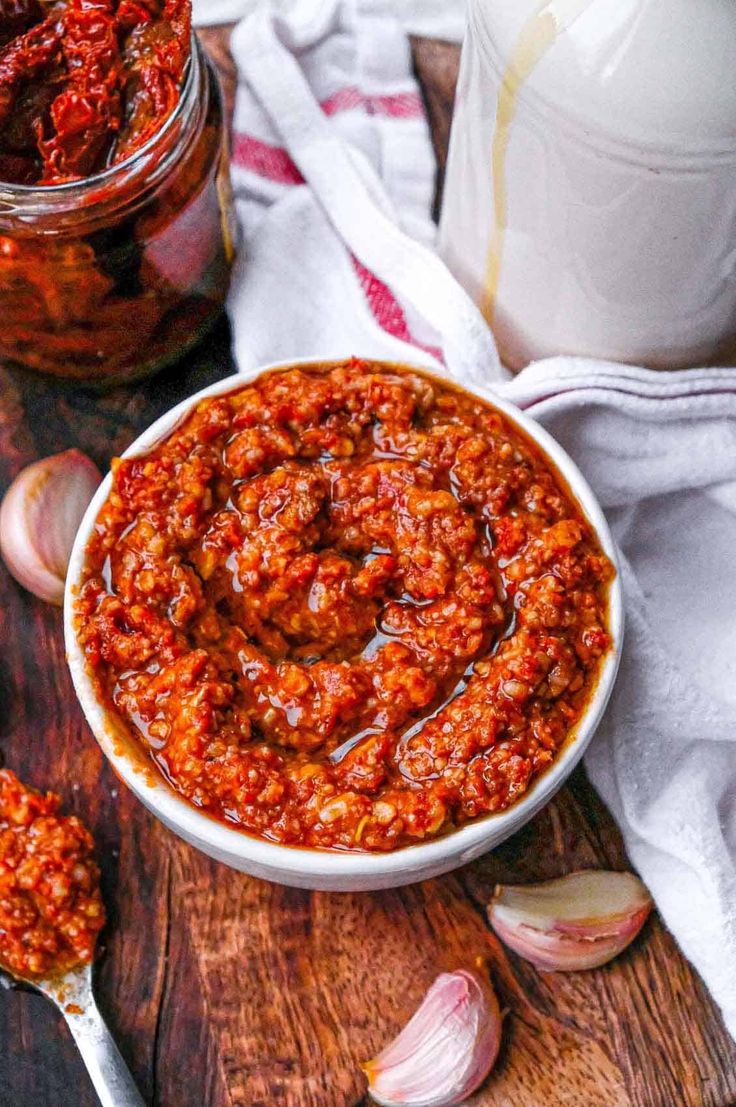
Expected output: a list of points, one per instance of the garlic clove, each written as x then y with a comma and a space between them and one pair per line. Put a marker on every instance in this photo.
579, 921
39, 519
445, 1051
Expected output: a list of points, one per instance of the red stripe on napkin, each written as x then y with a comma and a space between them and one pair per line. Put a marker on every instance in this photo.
386, 309
345, 99
274, 162
400, 105
264, 159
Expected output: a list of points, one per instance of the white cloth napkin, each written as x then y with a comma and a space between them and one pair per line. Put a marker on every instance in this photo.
659, 450
331, 157
442, 19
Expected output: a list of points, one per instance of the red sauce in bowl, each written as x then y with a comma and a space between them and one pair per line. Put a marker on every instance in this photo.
51, 910
345, 607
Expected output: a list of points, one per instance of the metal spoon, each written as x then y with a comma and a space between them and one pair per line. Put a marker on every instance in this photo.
72, 995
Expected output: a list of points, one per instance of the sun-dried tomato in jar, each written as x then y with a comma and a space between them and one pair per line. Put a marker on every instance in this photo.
115, 221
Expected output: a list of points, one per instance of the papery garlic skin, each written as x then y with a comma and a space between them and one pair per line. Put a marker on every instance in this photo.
579, 921
39, 519
445, 1051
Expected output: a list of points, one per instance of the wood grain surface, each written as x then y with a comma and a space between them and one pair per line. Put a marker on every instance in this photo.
224, 991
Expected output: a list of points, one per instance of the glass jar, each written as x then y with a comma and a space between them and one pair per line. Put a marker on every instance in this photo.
107, 279
590, 196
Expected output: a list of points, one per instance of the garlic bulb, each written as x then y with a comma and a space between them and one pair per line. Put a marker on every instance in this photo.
39, 518
579, 921
445, 1051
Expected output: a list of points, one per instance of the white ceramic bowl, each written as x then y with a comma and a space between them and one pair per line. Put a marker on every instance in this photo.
308, 868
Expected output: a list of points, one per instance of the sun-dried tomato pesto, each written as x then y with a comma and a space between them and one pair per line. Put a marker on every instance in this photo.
345, 607
85, 83
51, 910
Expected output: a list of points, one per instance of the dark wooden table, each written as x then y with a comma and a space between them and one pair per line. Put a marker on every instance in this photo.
224, 991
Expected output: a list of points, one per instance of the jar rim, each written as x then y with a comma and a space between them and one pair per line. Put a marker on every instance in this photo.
40, 193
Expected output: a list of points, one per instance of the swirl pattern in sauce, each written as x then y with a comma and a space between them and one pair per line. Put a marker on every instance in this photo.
345, 607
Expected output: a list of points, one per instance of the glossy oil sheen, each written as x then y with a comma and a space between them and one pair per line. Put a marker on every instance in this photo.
316, 869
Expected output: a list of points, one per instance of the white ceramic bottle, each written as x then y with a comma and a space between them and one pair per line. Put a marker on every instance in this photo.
590, 197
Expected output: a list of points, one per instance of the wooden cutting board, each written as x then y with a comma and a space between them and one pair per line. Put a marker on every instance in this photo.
224, 991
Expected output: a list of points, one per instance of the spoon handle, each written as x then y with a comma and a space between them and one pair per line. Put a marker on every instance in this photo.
107, 1069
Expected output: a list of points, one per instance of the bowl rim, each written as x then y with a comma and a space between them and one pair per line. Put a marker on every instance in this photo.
283, 860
